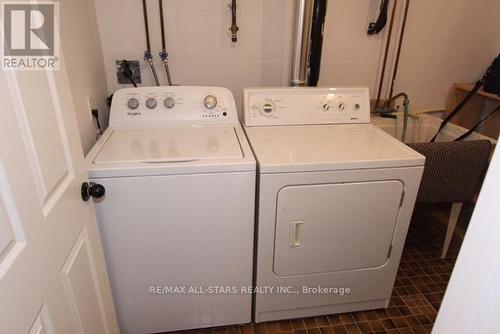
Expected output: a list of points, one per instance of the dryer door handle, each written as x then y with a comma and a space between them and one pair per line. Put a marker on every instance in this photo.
296, 233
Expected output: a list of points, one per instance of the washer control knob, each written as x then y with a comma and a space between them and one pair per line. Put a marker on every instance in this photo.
341, 106
151, 103
210, 102
169, 102
133, 103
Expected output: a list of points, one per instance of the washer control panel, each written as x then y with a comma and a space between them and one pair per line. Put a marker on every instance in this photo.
158, 105
294, 106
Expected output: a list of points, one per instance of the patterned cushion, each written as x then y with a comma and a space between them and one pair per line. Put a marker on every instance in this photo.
453, 170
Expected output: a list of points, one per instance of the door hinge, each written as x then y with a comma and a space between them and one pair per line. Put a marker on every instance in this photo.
402, 199
390, 251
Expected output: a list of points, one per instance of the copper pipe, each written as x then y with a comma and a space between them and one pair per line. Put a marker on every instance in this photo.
386, 53
400, 45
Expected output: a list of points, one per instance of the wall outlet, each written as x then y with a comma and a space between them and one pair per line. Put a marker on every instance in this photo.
136, 72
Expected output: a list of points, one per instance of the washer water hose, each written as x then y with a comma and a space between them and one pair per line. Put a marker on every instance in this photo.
163, 52
148, 57
234, 26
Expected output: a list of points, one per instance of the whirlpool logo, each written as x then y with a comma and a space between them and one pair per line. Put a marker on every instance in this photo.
30, 36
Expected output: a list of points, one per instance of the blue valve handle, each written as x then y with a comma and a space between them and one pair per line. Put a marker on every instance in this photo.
148, 56
163, 55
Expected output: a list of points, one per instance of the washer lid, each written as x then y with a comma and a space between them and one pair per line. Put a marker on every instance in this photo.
175, 144
328, 147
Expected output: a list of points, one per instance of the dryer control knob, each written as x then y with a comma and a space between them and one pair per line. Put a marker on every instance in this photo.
267, 108
151, 103
133, 103
169, 102
210, 102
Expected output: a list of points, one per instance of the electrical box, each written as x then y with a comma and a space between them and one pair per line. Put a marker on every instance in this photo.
134, 67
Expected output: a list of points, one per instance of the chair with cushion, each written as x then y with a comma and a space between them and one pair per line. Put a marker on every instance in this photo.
453, 173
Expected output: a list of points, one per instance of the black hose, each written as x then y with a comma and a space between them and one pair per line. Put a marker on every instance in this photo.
162, 23
381, 21
146, 24
233, 11
318, 22
234, 26
478, 124
459, 107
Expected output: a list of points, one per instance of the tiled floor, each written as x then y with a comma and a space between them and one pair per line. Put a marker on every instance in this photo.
419, 289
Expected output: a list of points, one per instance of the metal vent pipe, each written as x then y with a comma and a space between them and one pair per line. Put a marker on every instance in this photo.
301, 43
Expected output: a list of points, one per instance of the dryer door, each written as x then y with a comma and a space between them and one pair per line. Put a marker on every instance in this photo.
335, 227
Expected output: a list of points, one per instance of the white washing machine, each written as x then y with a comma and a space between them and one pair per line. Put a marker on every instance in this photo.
335, 198
177, 220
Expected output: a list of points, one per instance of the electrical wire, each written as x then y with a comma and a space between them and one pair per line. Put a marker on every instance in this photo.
127, 72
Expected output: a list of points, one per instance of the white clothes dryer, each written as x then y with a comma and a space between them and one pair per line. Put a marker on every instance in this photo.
334, 202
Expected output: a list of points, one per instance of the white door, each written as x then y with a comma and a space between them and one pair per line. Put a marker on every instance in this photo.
335, 227
52, 273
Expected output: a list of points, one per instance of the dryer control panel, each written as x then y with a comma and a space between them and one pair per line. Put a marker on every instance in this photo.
295, 106
163, 105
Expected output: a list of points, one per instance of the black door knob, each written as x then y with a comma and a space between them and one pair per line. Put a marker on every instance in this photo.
91, 189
